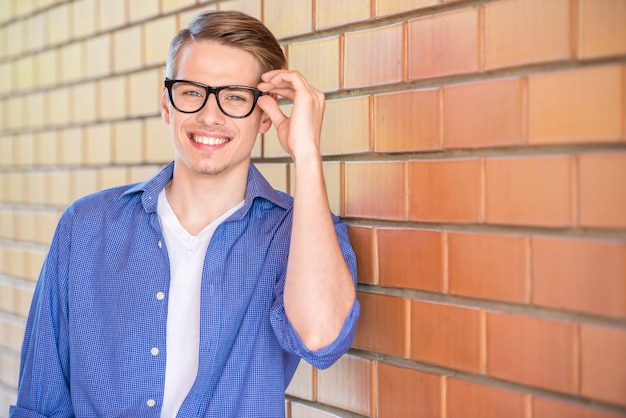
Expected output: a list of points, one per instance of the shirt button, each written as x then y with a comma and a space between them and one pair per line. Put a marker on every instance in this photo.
159, 244
150, 403
154, 351
160, 295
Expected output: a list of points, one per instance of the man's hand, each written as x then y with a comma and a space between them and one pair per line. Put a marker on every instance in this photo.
300, 133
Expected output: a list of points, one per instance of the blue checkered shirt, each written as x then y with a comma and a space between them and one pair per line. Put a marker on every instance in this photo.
100, 309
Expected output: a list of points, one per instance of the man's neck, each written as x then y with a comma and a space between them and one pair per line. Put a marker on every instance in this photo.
197, 199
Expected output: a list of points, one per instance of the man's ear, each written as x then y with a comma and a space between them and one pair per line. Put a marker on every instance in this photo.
165, 110
266, 122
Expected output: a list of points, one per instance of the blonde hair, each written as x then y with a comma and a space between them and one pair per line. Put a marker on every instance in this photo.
229, 28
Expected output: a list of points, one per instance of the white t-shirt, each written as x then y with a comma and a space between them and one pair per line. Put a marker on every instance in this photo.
186, 254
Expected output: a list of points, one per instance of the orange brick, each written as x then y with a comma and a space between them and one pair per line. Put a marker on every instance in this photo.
483, 114
287, 17
601, 29
387, 7
331, 13
446, 190
411, 258
446, 335
364, 245
443, 44
532, 351
382, 324
550, 408
353, 113
540, 32
301, 385
583, 105
346, 385
407, 121
565, 275
408, 393
603, 190
488, 266
318, 61
471, 400
529, 191
373, 57
603, 363
375, 190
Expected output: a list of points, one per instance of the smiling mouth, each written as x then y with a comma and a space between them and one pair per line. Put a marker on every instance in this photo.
209, 140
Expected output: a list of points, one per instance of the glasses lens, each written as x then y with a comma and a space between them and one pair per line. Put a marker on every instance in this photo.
187, 96
236, 101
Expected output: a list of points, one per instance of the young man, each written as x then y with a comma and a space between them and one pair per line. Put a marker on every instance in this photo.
197, 292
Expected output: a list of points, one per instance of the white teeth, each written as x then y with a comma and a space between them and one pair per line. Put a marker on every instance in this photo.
209, 140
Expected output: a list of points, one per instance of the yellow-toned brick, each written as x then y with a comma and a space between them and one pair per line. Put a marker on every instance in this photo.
169, 5
333, 13
257, 149
46, 68
35, 34
7, 10
288, 17
318, 61
71, 145
24, 7
13, 187
112, 96
14, 258
142, 9
15, 38
250, 7
98, 56
387, 7
127, 142
58, 187
127, 53
46, 148
6, 291
45, 224
14, 117
98, 144
158, 35
157, 141
84, 182
34, 109
11, 334
6, 152
83, 99
24, 150
145, 93
58, 106
111, 177
84, 18
6, 74
23, 298
276, 174
346, 126
72, 62
35, 188
24, 71
186, 16
142, 172
9, 370
58, 24
25, 225
33, 260
111, 14
7, 224
332, 175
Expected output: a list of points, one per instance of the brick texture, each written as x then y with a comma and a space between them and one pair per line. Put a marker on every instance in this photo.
476, 149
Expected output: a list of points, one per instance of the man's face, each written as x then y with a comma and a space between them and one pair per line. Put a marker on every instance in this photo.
209, 142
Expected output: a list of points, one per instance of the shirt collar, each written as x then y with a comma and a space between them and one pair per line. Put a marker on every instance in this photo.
256, 187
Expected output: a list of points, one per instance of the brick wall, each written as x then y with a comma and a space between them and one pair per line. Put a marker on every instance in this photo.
477, 148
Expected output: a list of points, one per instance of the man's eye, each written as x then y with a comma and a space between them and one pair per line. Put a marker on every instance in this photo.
236, 98
192, 93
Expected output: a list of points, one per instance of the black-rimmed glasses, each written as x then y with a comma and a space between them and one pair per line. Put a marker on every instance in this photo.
234, 101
